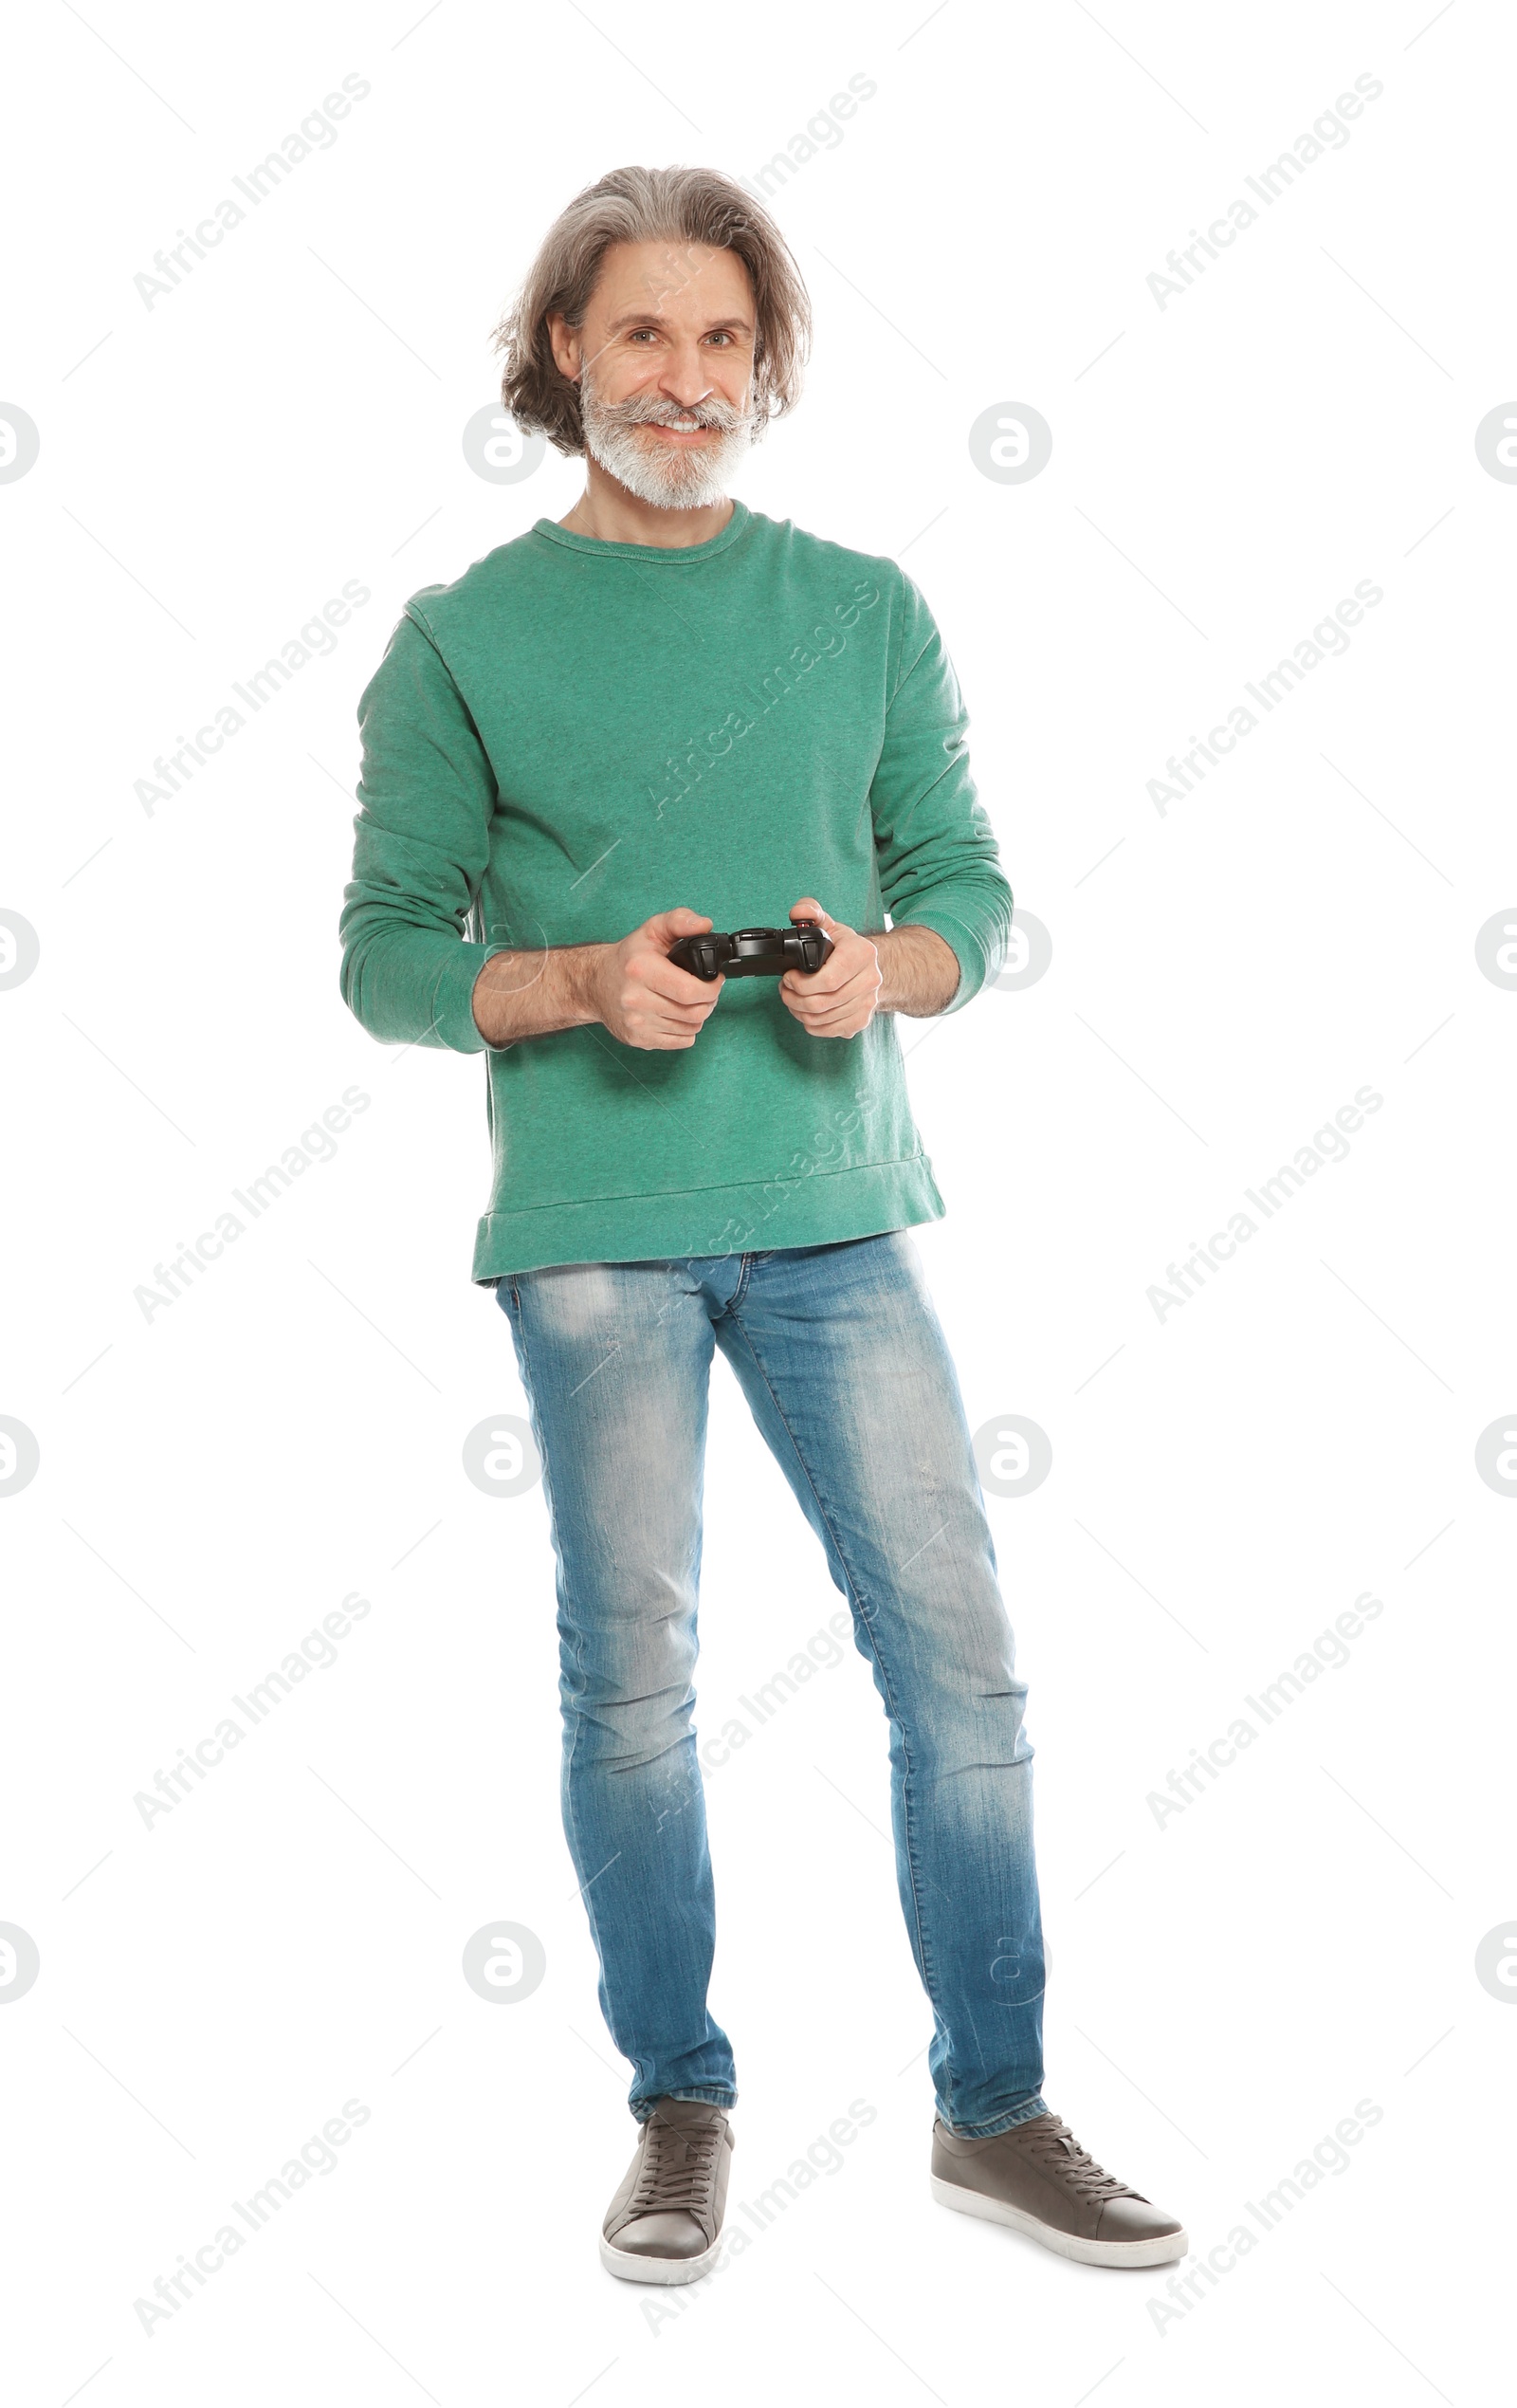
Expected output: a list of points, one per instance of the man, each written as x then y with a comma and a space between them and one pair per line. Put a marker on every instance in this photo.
662, 714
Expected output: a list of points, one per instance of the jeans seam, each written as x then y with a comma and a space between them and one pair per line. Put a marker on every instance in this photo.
580, 1671
857, 1601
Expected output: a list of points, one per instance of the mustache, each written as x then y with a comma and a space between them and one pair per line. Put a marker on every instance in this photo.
650, 409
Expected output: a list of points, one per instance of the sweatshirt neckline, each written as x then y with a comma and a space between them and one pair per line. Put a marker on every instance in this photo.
659, 554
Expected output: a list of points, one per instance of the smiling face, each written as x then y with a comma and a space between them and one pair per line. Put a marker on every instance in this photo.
664, 360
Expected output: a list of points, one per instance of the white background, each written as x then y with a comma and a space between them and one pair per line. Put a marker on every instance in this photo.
1226, 1986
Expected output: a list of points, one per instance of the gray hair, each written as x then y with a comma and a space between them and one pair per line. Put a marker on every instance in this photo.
648, 205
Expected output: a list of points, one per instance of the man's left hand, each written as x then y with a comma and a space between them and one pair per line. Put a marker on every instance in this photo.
842, 995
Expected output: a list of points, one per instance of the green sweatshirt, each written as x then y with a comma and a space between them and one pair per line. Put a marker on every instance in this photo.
576, 735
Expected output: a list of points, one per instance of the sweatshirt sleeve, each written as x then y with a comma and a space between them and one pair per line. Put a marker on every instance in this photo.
421, 844
940, 867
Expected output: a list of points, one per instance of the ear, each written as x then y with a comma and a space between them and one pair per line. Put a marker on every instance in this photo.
566, 349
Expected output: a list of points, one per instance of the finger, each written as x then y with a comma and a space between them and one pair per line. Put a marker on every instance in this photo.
854, 985
837, 1025
843, 964
699, 1006
665, 978
828, 1015
666, 927
655, 1026
842, 1028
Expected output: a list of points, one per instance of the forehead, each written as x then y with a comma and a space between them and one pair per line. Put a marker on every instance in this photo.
682, 283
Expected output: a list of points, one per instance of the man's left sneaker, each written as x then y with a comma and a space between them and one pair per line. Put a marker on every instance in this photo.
1037, 2178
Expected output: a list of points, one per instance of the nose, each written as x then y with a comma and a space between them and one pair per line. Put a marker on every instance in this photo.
688, 392
684, 378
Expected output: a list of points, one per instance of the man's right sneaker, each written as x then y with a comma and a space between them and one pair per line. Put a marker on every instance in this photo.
664, 2223
1037, 2178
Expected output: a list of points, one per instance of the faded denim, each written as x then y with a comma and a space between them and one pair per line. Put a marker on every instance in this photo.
840, 1355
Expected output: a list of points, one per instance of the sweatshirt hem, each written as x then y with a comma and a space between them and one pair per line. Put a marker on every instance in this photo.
758, 1216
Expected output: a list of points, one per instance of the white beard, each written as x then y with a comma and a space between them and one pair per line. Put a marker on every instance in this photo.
667, 478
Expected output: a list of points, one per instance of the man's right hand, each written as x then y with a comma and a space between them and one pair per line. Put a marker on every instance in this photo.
643, 998
630, 987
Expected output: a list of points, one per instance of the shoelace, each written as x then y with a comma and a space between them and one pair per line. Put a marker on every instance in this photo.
678, 2169
1062, 2152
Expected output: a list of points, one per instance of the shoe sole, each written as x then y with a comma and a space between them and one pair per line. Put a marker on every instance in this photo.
631, 2267
1155, 2252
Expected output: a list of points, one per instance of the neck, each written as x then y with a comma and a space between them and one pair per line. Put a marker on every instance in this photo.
608, 514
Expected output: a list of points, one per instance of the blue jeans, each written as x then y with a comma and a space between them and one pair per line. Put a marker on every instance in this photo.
840, 1355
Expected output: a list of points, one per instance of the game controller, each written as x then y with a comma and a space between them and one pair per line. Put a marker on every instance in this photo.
754, 952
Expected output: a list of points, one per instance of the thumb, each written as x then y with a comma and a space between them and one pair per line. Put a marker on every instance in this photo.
809, 908
666, 927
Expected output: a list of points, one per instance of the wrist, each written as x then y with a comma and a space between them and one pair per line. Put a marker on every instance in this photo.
582, 970
518, 995
480, 1001
920, 971
887, 953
